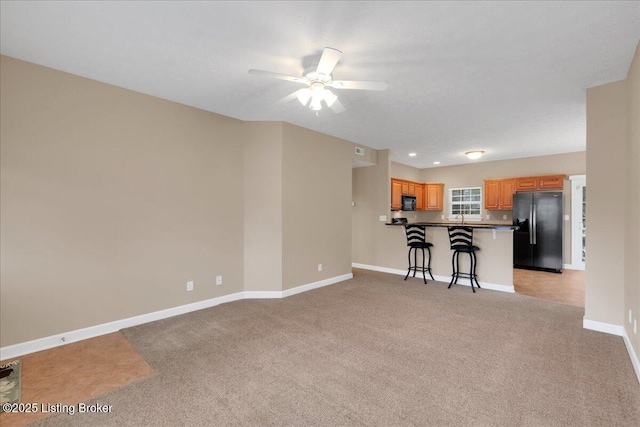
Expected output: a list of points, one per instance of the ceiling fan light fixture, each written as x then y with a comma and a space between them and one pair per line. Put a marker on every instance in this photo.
315, 104
303, 96
329, 97
474, 155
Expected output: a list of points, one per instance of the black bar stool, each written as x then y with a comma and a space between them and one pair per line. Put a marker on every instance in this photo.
461, 239
416, 239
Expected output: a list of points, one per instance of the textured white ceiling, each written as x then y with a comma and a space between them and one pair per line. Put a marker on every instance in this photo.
509, 78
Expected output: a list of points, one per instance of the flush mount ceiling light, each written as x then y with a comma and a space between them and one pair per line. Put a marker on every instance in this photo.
474, 155
436, 163
413, 154
319, 79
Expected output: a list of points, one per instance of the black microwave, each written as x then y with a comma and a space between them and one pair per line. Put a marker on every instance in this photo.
408, 203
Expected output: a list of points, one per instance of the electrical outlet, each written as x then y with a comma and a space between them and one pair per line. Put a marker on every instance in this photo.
218, 280
630, 316
441, 216
190, 285
383, 218
635, 326
504, 216
319, 267
488, 216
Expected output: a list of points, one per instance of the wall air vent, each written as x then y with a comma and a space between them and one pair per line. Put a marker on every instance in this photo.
360, 151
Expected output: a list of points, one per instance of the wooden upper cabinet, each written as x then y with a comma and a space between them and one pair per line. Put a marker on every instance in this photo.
434, 195
552, 182
492, 194
412, 189
546, 182
429, 196
528, 183
396, 194
420, 197
498, 194
507, 188
405, 187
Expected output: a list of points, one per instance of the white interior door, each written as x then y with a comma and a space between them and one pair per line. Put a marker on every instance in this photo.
578, 221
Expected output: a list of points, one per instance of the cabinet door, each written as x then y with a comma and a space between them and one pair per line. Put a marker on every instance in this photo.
492, 194
507, 188
412, 189
396, 194
420, 197
434, 194
405, 187
554, 182
529, 183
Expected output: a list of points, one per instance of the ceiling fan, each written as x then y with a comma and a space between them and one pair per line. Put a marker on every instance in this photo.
318, 80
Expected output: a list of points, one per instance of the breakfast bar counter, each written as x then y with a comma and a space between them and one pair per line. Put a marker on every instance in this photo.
494, 259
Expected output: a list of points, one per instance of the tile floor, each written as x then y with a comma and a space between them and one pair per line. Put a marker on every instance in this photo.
75, 373
566, 287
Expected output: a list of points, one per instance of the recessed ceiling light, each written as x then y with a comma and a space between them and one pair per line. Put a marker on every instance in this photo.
473, 155
436, 163
413, 154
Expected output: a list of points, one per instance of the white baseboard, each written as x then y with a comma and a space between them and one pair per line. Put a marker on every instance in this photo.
607, 328
632, 354
316, 285
381, 269
617, 330
446, 279
57, 340
297, 289
572, 267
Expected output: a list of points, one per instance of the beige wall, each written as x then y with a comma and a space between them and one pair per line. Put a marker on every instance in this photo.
474, 174
632, 207
263, 207
371, 195
398, 170
110, 202
113, 200
606, 190
316, 206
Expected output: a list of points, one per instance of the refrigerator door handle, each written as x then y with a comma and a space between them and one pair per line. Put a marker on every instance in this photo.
531, 224
535, 226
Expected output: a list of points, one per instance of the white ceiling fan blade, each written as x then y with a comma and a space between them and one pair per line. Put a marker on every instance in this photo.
262, 73
291, 96
337, 107
328, 61
359, 85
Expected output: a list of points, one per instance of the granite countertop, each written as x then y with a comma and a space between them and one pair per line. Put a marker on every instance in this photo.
487, 225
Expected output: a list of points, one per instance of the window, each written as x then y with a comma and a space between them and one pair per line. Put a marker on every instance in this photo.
467, 202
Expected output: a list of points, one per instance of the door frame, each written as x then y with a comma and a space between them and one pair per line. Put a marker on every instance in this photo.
577, 183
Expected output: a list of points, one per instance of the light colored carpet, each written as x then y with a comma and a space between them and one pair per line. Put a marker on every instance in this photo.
376, 350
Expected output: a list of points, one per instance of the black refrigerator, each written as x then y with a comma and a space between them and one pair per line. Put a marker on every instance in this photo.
537, 242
